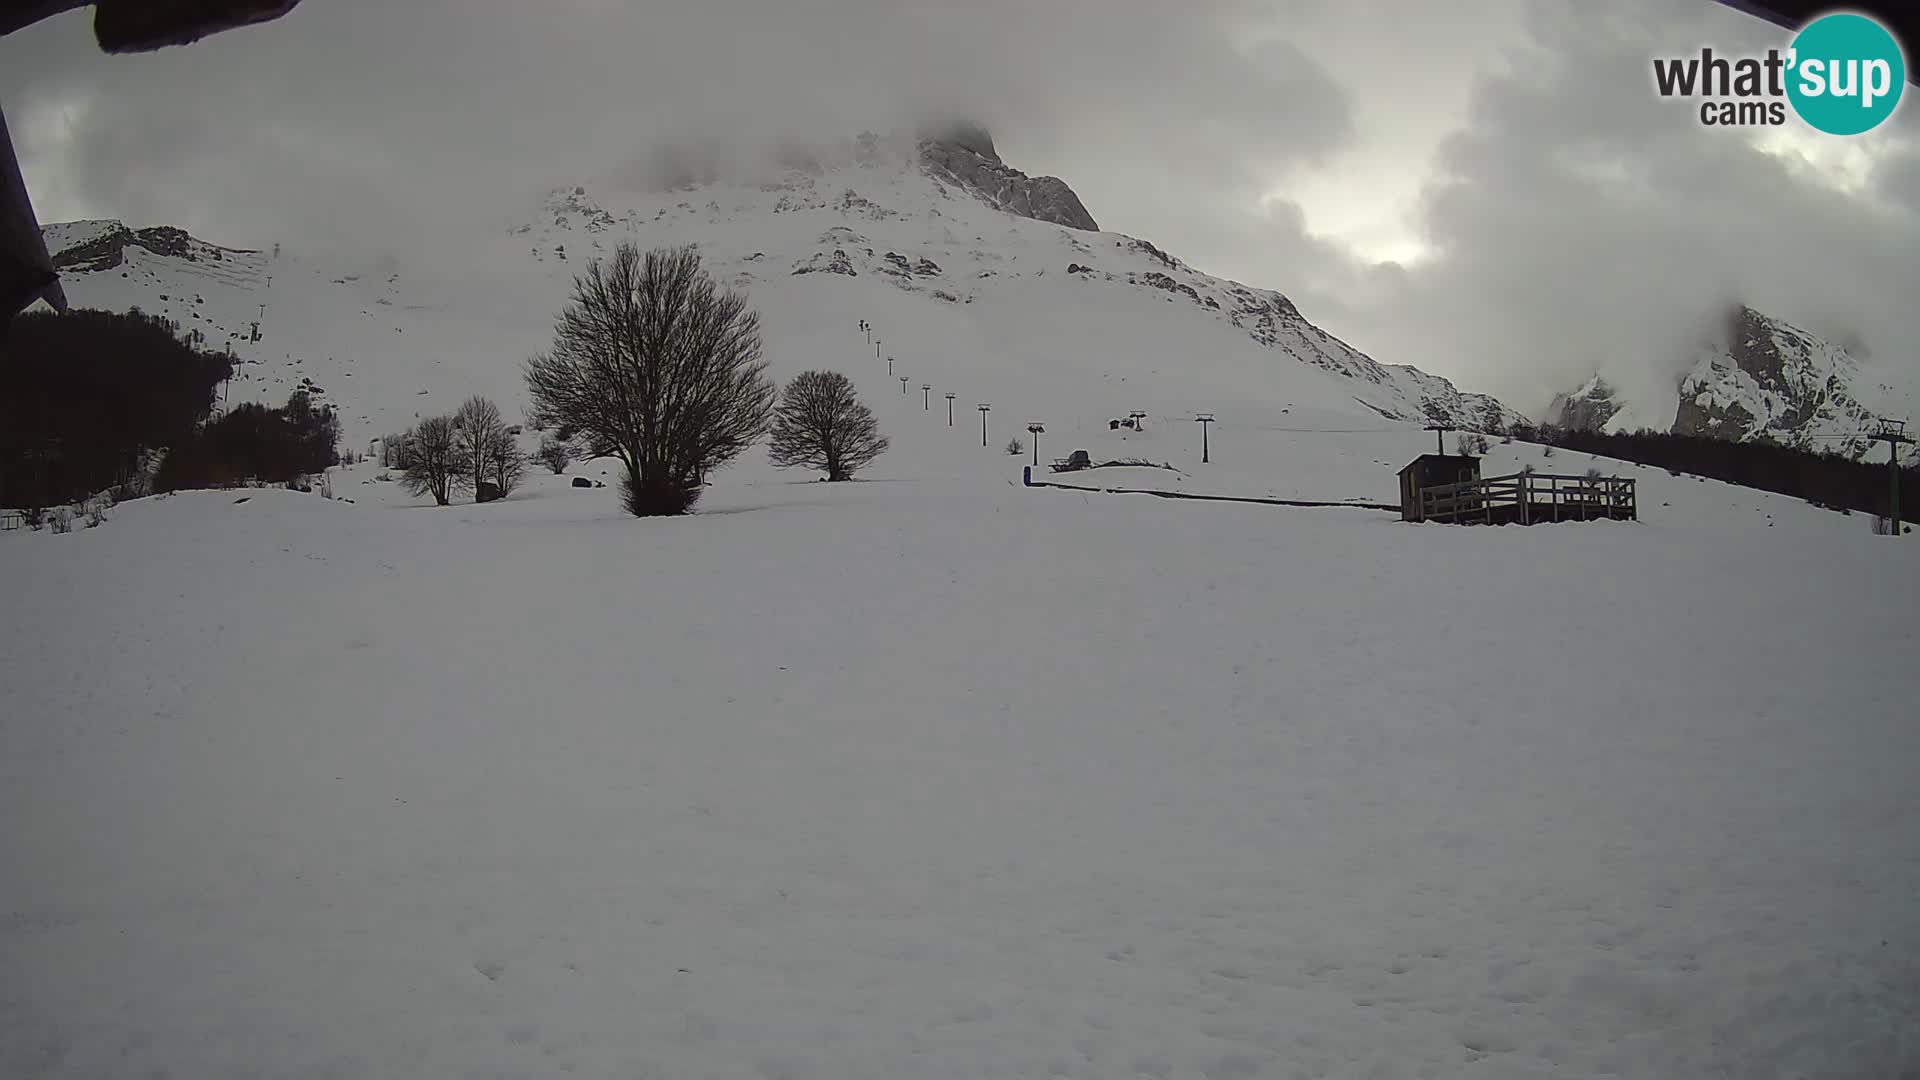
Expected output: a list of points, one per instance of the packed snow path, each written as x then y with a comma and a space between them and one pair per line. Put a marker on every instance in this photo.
941, 779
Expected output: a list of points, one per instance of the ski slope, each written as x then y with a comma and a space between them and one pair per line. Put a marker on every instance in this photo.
977, 302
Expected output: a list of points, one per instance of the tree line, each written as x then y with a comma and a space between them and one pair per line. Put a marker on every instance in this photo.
96, 402
1825, 479
254, 442
87, 397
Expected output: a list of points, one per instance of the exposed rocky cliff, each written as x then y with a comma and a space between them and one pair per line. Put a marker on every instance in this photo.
965, 156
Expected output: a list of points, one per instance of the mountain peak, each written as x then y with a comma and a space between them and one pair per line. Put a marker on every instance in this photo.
963, 153
1762, 379
1775, 381
1588, 408
964, 135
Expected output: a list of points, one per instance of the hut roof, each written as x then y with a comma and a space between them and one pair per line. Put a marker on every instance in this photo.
1439, 459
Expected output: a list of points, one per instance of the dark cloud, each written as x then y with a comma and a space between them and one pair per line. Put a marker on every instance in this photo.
358, 120
1579, 224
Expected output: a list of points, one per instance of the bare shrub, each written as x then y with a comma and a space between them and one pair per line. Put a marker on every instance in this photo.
554, 454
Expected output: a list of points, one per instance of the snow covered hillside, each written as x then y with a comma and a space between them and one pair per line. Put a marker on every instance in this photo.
934, 774
940, 776
1767, 379
1064, 324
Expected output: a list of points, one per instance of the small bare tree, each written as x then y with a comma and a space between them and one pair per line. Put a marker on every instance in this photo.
822, 425
654, 364
433, 462
554, 453
478, 431
507, 463
1015, 446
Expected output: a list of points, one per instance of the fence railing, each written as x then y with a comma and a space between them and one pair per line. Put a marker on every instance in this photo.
1531, 497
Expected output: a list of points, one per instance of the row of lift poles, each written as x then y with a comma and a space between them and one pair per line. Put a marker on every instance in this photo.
1036, 429
1892, 432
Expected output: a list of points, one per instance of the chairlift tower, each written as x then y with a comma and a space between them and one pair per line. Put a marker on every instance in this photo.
1893, 433
1204, 419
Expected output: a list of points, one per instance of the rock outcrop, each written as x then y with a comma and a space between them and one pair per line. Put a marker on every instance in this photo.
965, 156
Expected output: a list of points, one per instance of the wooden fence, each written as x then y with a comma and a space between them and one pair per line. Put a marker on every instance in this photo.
1531, 498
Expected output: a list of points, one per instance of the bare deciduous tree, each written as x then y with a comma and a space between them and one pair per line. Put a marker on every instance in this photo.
507, 463
433, 462
653, 364
822, 425
554, 454
477, 432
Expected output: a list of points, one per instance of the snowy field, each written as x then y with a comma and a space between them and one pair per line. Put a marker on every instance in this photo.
939, 776
935, 775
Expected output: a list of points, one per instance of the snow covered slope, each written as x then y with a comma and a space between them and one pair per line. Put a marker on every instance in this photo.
934, 776
978, 299
1766, 379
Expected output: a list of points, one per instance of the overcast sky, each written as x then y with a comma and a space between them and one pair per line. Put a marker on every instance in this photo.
1490, 190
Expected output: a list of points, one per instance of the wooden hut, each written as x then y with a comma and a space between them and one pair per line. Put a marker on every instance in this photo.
1430, 470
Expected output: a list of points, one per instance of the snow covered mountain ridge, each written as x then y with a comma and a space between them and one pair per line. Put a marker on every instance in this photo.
1766, 379
89, 246
941, 219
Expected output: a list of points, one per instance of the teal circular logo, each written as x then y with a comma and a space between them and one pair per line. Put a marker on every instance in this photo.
1845, 73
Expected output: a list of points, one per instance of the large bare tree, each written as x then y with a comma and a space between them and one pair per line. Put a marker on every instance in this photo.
822, 425
655, 365
433, 462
